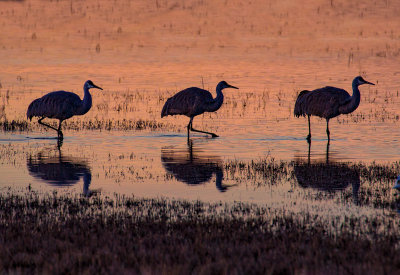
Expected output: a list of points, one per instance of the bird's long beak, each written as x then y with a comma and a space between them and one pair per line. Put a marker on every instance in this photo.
95, 86
230, 86
367, 82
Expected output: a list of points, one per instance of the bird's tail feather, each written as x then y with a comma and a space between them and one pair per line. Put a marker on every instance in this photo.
164, 111
34, 109
299, 107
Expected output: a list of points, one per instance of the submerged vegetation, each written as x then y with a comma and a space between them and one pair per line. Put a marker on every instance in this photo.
60, 234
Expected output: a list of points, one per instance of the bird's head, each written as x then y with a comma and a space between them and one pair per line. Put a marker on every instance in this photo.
89, 84
223, 85
360, 81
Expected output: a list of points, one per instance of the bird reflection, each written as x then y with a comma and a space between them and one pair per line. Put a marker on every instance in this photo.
60, 171
327, 176
191, 168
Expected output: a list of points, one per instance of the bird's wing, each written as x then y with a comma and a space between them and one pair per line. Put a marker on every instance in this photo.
337, 95
58, 104
189, 102
325, 102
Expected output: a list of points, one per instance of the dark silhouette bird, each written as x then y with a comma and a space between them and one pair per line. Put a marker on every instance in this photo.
194, 101
191, 168
60, 171
328, 102
61, 105
327, 176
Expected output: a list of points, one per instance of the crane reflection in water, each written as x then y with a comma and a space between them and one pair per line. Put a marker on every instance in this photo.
60, 171
327, 176
192, 168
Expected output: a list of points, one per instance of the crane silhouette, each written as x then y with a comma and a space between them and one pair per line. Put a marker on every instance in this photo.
194, 101
61, 105
328, 102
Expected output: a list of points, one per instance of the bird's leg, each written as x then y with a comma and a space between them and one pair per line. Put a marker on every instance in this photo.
189, 127
190, 147
309, 130
60, 133
47, 125
59, 143
327, 130
204, 132
194, 130
327, 153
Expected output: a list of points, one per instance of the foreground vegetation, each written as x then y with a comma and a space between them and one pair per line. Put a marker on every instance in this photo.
64, 234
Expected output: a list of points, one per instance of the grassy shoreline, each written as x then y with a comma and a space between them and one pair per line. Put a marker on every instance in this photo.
60, 234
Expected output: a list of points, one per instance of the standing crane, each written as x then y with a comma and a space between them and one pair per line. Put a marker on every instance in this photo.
328, 102
194, 101
61, 105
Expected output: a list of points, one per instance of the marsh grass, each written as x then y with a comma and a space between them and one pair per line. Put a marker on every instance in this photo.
111, 124
64, 234
91, 124
14, 125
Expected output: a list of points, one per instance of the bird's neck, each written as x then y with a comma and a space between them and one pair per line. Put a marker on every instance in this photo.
354, 102
217, 102
86, 102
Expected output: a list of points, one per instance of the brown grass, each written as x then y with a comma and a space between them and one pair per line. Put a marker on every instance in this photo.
60, 234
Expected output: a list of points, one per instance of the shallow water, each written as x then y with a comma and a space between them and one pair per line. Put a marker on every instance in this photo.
141, 62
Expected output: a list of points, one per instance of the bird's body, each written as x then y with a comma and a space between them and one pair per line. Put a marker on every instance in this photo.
194, 101
190, 102
328, 102
61, 105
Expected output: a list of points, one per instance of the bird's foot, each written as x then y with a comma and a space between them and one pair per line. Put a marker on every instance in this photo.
214, 135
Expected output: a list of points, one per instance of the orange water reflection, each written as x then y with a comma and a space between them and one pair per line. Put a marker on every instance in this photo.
327, 175
60, 171
191, 168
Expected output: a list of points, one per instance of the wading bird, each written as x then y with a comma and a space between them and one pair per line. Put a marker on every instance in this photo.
194, 101
328, 102
61, 105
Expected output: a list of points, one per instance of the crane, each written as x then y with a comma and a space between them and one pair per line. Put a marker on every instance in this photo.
194, 101
61, 105
328, 102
